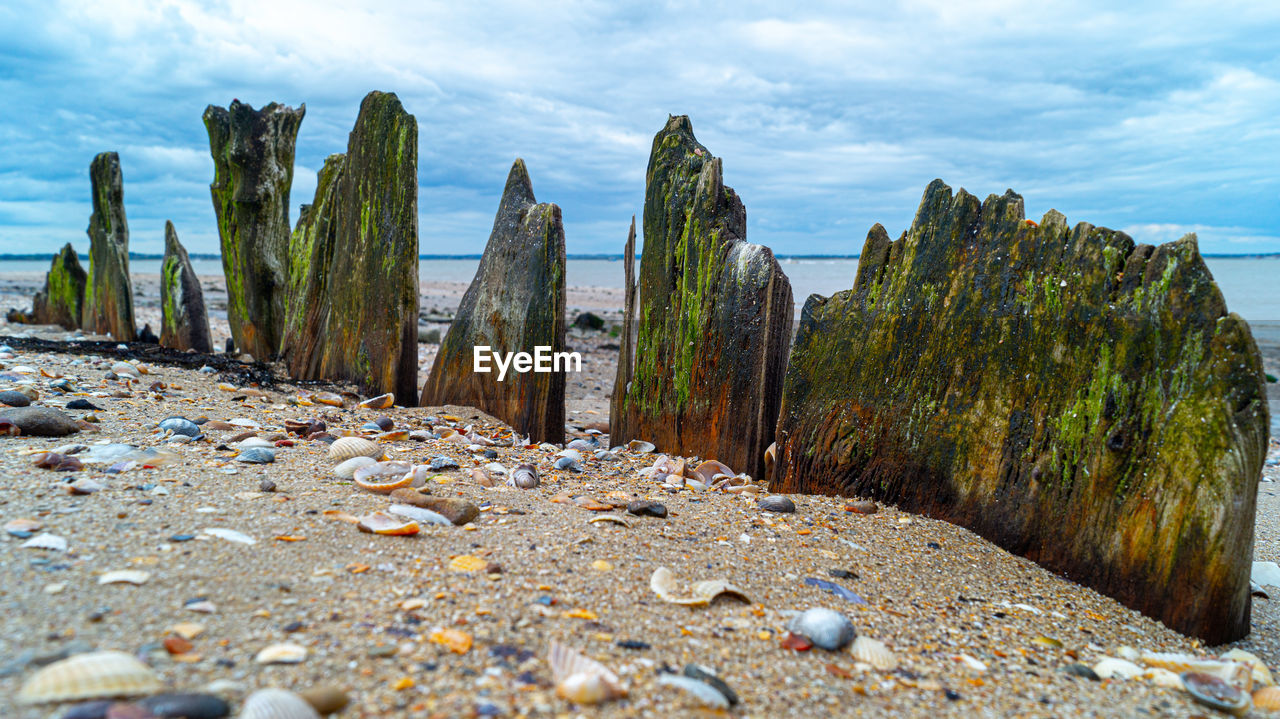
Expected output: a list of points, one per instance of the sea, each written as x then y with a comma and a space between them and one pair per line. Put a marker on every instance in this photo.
1249, 284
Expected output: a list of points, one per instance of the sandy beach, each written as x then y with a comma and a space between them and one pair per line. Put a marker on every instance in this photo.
394, 623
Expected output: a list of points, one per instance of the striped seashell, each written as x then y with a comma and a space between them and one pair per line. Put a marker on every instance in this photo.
664, 584
873, 652
277, 704
582, 680
348, 447
524, 476
347, 469
1267, 698
97, 675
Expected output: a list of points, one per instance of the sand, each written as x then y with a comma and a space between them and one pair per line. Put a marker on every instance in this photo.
934, 592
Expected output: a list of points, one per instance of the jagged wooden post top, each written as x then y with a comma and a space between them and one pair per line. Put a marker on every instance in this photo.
253, 170
184, 323
714, 316
515, 303
108, 302
352, 309
1076, 398
61, 301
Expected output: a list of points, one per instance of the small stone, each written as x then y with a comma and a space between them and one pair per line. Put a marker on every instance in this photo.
409, 495
122, 710
646, 508
326, 700
41, 421
862, 506
267, 485
776, 503
1081, 670
82, 404
257, 455
14, 399
458, 511
827, 629
190, 706
440, 463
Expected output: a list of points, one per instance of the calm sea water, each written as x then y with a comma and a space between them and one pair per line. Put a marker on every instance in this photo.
1249, 283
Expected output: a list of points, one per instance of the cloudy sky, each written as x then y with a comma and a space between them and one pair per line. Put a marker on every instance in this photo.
1161, 118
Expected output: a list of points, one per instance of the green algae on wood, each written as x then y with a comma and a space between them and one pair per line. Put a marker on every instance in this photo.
184, 323
108, 302
352, 309
714, 316
1078, 399
61, 301
253, 154
515, 303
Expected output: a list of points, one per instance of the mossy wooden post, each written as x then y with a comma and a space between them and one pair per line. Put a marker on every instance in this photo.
626, 353
515, 303
108, 302
353, 290
714, 316
253, 171
184, 323
1082, 401
61, 301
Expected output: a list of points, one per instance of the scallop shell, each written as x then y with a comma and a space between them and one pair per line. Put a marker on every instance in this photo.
1214, 692
582, 680
1267, 698
276, 704
384, 477
827, 629
90, 676
281, 654
382, 401
524, 476
347, 469
389, 524
1261, 674
663, 583
640, 446
873, 652
348, 447
1110, 668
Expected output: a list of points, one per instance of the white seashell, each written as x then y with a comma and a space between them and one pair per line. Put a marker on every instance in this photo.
230, 535
571, 453
615, 519
1261, 674
125, 576
704, 692
277, 704
97, 675
1162, 678
524, 476
496, 469
348, 447
640, 446
827, 629
1111, 667
125, 369
244, 422
582, 680
281, 654
384, 477
971, 663
873, 652
46, 541
420, 515
347, 468
663, 583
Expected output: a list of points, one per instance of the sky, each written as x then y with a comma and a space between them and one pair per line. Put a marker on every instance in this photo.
1155, 118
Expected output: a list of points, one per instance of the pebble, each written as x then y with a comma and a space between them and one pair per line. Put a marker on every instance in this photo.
458, 511
440, 463
41, 421
266, 485
326, 700
14, 399
190, 706
82, 404
646, 508
776, 503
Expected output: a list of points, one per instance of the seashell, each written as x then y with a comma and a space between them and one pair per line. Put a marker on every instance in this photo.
640, 446
85, 485
395, 435
384, 477
1162, 678
388, 524
347, 469
125, 576
467, 563
744, 489
1267, 698
180, 425
583, 444
124, 369
770, 460
708, 470
663, 583
257, 455
1110, 667
281, 654
329, 398
96, 675
827, 629
255, 441
326, 700
1216, 693
230, 535
58, 462
873, 652
190, 706
582, 680
348, 447
702, 691
276, 704
1082, 670
382, 401
23, 527
862, 506
568, 464
1261, 674
483, 477
1231, 671
439, 463
706, 676
570, 453
524, 476
419, 514
776, 503
612, 518
46, 541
